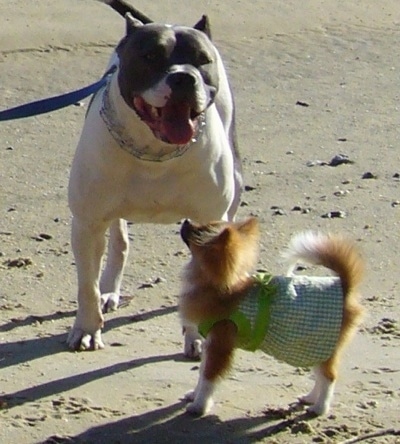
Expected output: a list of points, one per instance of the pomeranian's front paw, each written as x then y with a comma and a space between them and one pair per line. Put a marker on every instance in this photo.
189, 396
319, 409
309, 398
200, 408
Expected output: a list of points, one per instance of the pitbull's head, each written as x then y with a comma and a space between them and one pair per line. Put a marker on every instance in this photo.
168, 75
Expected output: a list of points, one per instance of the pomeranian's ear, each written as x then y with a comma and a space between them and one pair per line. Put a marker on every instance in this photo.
225, 237
249, 227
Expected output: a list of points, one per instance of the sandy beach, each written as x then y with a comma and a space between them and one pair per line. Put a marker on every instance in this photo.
311, 82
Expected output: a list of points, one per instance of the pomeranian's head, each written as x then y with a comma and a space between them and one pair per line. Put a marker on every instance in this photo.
223, 253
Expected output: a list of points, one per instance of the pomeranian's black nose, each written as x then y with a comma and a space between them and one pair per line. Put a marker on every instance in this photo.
185, 230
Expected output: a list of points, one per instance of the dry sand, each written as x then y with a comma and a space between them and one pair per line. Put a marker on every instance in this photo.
341, 58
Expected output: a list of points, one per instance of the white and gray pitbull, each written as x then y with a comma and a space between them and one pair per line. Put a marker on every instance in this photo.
158, 145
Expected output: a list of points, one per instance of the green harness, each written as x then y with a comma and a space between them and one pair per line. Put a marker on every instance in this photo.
252, 315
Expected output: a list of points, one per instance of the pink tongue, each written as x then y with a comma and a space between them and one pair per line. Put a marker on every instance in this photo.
176, 124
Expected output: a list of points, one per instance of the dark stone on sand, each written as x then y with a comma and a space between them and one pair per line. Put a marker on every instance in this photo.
334, 214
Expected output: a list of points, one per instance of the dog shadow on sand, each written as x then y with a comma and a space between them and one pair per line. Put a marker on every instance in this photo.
166, 424
27, 350
172, 424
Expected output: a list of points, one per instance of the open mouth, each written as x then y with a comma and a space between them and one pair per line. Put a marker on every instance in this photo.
175, 123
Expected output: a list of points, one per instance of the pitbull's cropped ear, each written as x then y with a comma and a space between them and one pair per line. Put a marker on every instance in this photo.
132, 24
203, 25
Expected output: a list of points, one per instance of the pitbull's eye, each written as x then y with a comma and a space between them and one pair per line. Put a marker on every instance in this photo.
204, 59
150, 56
151, 53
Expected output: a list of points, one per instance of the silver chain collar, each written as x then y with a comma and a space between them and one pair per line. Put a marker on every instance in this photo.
117, 130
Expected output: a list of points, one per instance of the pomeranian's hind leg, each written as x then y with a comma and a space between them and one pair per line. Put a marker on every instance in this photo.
313, 395
326, 375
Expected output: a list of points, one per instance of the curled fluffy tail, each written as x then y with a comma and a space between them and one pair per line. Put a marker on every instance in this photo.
334, 252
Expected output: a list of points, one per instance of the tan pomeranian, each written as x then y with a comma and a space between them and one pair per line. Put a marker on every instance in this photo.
302, 320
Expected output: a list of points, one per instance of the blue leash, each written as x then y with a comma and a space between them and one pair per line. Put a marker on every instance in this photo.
56, 102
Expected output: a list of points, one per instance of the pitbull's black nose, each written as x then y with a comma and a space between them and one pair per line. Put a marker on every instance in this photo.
181, 81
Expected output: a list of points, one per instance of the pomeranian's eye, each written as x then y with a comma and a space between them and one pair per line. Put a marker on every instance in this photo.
215, 228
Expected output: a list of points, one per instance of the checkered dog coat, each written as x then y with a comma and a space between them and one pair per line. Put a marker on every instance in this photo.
296, 319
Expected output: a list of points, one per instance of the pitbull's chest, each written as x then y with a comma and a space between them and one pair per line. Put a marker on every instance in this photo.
161, 194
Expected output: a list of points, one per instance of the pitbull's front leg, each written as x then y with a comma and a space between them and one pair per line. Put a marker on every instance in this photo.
118, 249
88, 244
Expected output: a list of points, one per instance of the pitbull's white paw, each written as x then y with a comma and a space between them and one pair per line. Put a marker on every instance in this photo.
79, 340
193, 349
193, 344
86, 332
109, 302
